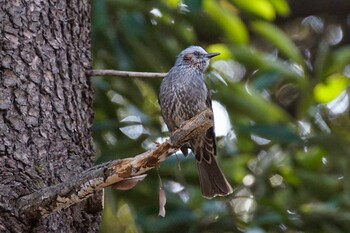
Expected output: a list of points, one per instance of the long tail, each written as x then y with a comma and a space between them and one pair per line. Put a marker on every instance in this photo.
213, 182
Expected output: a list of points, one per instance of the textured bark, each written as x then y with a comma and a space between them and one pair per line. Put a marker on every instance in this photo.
45, 109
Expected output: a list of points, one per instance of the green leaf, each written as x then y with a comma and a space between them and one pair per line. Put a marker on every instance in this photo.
322, 61
279, 39
265, 80
251, 104
256, 60
259, 8
320, 185
328, 91
320, 208
340, 59
276, 133
281, 7
312, 159
224, 51
173, 4
233, 26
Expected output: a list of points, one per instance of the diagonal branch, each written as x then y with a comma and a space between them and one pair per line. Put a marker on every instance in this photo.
129, 74
82, 186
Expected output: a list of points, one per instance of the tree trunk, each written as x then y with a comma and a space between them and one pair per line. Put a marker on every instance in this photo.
45, 109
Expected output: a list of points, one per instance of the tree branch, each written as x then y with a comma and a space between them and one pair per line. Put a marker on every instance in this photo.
130, 74
82, 186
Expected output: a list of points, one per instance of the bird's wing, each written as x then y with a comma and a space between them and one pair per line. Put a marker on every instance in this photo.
205, 146
165, 105
210, 135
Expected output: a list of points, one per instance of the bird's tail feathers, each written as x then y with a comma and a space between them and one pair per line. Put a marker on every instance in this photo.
212, 181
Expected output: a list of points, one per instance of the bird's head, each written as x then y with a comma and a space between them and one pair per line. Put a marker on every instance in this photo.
195, 57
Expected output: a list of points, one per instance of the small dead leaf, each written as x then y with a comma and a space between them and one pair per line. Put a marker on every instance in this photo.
162, 202
128, 183
162, 197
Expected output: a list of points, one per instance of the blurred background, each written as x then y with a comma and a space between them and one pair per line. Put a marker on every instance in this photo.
281, 104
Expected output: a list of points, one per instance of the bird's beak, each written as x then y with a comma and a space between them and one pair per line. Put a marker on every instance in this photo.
211, 55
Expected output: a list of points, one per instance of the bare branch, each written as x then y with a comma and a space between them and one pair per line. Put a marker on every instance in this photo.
129, 74
82, 186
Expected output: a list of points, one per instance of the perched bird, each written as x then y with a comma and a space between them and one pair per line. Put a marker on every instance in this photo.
184, 94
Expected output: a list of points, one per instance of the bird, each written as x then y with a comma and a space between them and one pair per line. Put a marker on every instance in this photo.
184, 94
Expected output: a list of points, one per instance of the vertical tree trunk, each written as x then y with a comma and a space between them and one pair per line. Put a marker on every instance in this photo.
45, 109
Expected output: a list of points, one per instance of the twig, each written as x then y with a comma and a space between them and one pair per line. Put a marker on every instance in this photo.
130, 74
82, 186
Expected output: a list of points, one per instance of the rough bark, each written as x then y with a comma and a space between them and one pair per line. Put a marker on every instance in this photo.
45, 109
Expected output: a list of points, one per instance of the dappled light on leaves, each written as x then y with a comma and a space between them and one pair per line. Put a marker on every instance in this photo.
276, 180
281, 112
156, 14
339, 105
243, 205
183, 8
314, 22
116, 98
178, 189
221, 119
133, 128
118, 217
217, 76
304, 128
248, 180
230, 69
109, 138
324, 160
259, 140
320, 121
334, 34
334, 86
174, 187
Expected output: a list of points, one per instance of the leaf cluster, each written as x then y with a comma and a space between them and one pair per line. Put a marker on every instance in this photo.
283, 89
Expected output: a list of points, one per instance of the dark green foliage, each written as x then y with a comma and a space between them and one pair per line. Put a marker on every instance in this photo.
286, 151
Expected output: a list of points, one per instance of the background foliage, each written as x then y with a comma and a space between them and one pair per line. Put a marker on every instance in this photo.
281, 87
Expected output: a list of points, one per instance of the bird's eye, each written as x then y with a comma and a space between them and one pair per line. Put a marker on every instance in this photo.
188, 56
196, 53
